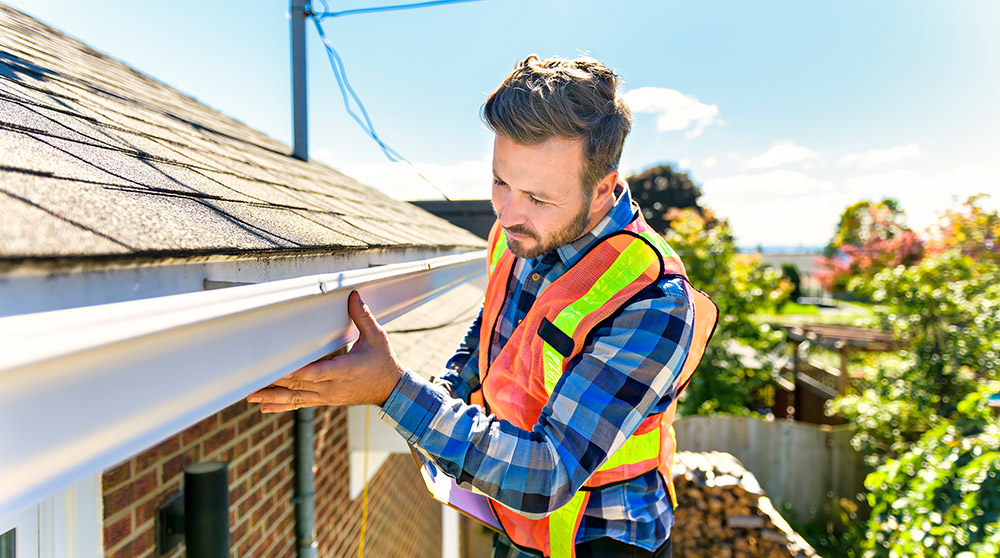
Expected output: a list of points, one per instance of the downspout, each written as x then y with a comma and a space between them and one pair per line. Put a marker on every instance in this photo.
305, 483
305, 490
305, 486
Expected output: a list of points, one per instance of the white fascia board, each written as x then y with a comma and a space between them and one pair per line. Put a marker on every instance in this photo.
39, 285
85, 388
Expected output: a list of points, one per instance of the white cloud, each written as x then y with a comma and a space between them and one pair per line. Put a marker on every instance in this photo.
676, 111
779, 207
781, 153
463, 180
790, 208
684, 163
925, 197
878, 157
710, 162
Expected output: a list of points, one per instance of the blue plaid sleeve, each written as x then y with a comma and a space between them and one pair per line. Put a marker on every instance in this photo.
629, 367
461, 375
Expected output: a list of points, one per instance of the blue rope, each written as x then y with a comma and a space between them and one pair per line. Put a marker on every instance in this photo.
326, 14
366, 125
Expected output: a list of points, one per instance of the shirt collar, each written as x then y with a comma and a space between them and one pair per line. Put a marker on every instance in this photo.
617, 219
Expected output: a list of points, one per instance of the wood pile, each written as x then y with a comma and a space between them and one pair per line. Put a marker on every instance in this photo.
723, 512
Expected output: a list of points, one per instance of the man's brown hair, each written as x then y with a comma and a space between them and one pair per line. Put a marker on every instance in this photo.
570, 99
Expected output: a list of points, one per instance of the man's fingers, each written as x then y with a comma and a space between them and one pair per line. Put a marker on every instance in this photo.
362, 316
332, 369
273, 398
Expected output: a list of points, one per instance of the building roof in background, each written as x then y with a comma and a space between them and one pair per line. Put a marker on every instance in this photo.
425, 338
100, 160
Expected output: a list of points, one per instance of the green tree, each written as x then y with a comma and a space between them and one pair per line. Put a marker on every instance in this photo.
741, 286
970, 229
942, 496
659, 189
946, 309
921, 415
869, 238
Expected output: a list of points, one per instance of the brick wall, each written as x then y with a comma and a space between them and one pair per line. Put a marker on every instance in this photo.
403, 520
259, 449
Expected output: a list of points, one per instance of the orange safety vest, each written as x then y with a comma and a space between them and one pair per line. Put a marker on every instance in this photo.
518, 383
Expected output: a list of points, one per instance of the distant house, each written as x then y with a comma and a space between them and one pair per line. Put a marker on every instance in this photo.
159, 261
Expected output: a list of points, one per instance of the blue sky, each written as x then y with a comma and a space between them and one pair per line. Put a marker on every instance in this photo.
784, 112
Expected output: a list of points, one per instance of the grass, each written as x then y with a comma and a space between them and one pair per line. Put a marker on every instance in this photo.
846, 313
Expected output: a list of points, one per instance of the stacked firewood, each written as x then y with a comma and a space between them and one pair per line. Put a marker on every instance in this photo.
723, 513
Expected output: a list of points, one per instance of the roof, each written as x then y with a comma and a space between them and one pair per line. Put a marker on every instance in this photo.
102, 161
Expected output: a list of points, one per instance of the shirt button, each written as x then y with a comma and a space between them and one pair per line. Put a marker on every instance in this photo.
535, 277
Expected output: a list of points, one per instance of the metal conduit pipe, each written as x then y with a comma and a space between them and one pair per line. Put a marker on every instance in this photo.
305, 488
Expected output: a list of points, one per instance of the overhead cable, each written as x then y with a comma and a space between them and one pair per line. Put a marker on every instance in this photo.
347, 92
328, 13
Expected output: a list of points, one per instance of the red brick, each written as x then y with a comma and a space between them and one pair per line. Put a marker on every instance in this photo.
274, 481
176, 465
218, 439
259, 435
255, 457
241, 447
118, 500
250, 421
145, 484
117, 531
275, 516
274, 444
250, 541
234, 411
144, 541
154, 455
117, 476
238, 533
146, 509
123, 552
195, 432
237, 490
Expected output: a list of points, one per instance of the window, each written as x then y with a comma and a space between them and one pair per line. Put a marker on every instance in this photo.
7, 548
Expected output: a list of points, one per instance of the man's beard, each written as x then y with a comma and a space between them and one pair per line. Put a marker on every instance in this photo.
573, 231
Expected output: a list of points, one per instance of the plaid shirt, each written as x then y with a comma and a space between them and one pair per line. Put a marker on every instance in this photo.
628, 369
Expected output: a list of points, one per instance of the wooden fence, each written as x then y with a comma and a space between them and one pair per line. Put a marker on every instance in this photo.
805, 466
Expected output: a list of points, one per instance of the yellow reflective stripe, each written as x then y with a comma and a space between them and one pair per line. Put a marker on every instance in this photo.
661, 244
552, 361
637, 448
671, 489
562, 527
498, 250
628, 266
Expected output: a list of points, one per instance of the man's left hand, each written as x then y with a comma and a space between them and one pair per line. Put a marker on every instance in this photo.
367, 374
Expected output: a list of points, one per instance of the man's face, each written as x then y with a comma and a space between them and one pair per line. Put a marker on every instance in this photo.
537, 194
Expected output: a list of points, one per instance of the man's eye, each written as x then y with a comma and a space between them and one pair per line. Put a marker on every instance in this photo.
498, 182
536, 201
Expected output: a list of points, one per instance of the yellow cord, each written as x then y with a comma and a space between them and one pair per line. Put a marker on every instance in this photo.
364, 491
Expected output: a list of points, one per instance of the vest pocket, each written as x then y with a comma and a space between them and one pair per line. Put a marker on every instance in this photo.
557, 338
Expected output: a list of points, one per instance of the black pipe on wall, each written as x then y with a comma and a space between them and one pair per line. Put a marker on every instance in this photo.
206, 510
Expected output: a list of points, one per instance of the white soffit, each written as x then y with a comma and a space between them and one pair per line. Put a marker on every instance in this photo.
84, 388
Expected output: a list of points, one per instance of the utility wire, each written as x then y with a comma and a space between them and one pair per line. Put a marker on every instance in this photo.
327, 13
347, 92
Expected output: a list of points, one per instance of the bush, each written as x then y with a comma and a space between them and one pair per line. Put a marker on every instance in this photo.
942, 496
741, 286
946, 309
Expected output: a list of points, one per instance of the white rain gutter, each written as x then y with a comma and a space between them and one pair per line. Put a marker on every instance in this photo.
85, 388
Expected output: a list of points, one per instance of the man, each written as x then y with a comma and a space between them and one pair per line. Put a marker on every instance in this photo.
588, 333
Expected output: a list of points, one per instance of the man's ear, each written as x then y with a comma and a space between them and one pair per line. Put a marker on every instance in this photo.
604, 192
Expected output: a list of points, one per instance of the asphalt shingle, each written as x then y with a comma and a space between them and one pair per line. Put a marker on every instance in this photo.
98, 159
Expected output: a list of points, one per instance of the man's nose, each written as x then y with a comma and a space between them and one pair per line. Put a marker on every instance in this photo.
512, 212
